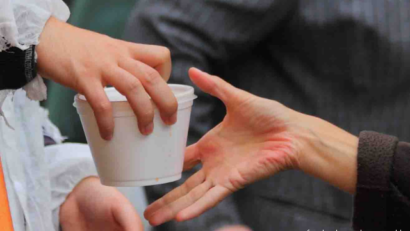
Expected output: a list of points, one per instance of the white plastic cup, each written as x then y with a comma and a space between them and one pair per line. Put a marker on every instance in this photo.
130, 158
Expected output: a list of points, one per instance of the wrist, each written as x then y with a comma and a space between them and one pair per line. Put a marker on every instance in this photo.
42, 47
328, 153
47, 50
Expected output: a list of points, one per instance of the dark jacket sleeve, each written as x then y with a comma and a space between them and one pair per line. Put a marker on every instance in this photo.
382, 200
17, 67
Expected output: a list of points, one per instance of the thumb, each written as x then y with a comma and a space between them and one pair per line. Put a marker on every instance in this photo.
214, 86
191, 157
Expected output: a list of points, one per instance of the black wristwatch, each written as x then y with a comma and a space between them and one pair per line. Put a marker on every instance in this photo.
17, 67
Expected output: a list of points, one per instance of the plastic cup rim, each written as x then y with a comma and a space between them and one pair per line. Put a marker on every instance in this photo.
181, 97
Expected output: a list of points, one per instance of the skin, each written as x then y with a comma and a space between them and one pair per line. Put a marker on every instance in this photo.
234, 228
92, 206
87, 62
257, 139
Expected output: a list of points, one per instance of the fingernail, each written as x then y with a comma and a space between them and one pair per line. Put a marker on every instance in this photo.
172, 119
155, 220
149, 128
108, 138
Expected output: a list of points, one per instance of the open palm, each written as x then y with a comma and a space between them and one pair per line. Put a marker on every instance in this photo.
254, 141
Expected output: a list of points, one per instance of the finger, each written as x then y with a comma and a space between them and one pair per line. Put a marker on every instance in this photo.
175, 194
214, 85
127, 217
157, 57
169, 211
191, 157
156, 87
208, 201
138, 98
101, 106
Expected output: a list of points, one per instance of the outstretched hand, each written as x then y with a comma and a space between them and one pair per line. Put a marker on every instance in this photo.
255, 140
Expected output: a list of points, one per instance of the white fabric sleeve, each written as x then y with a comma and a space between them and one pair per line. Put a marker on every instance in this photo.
22, 21
68, 163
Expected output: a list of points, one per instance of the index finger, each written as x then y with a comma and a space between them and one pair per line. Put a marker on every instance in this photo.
157, 57
192, 182
213, 197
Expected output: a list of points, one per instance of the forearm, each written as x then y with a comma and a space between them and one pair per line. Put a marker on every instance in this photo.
329, 153
374, 169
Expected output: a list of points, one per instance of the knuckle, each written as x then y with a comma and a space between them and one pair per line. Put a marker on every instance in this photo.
84, 71
167, 199
235, 184
109, 68
165, 54
110, 47
133, 87
189, 184
190, 198
106, 37
110, 43
147, 114
114, 47
185, 188
102, 106
193, 195
152, 77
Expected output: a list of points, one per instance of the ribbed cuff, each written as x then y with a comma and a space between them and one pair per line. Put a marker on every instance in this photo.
17, 67
375, 157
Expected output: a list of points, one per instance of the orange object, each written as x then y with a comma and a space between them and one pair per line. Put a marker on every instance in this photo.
6, 223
